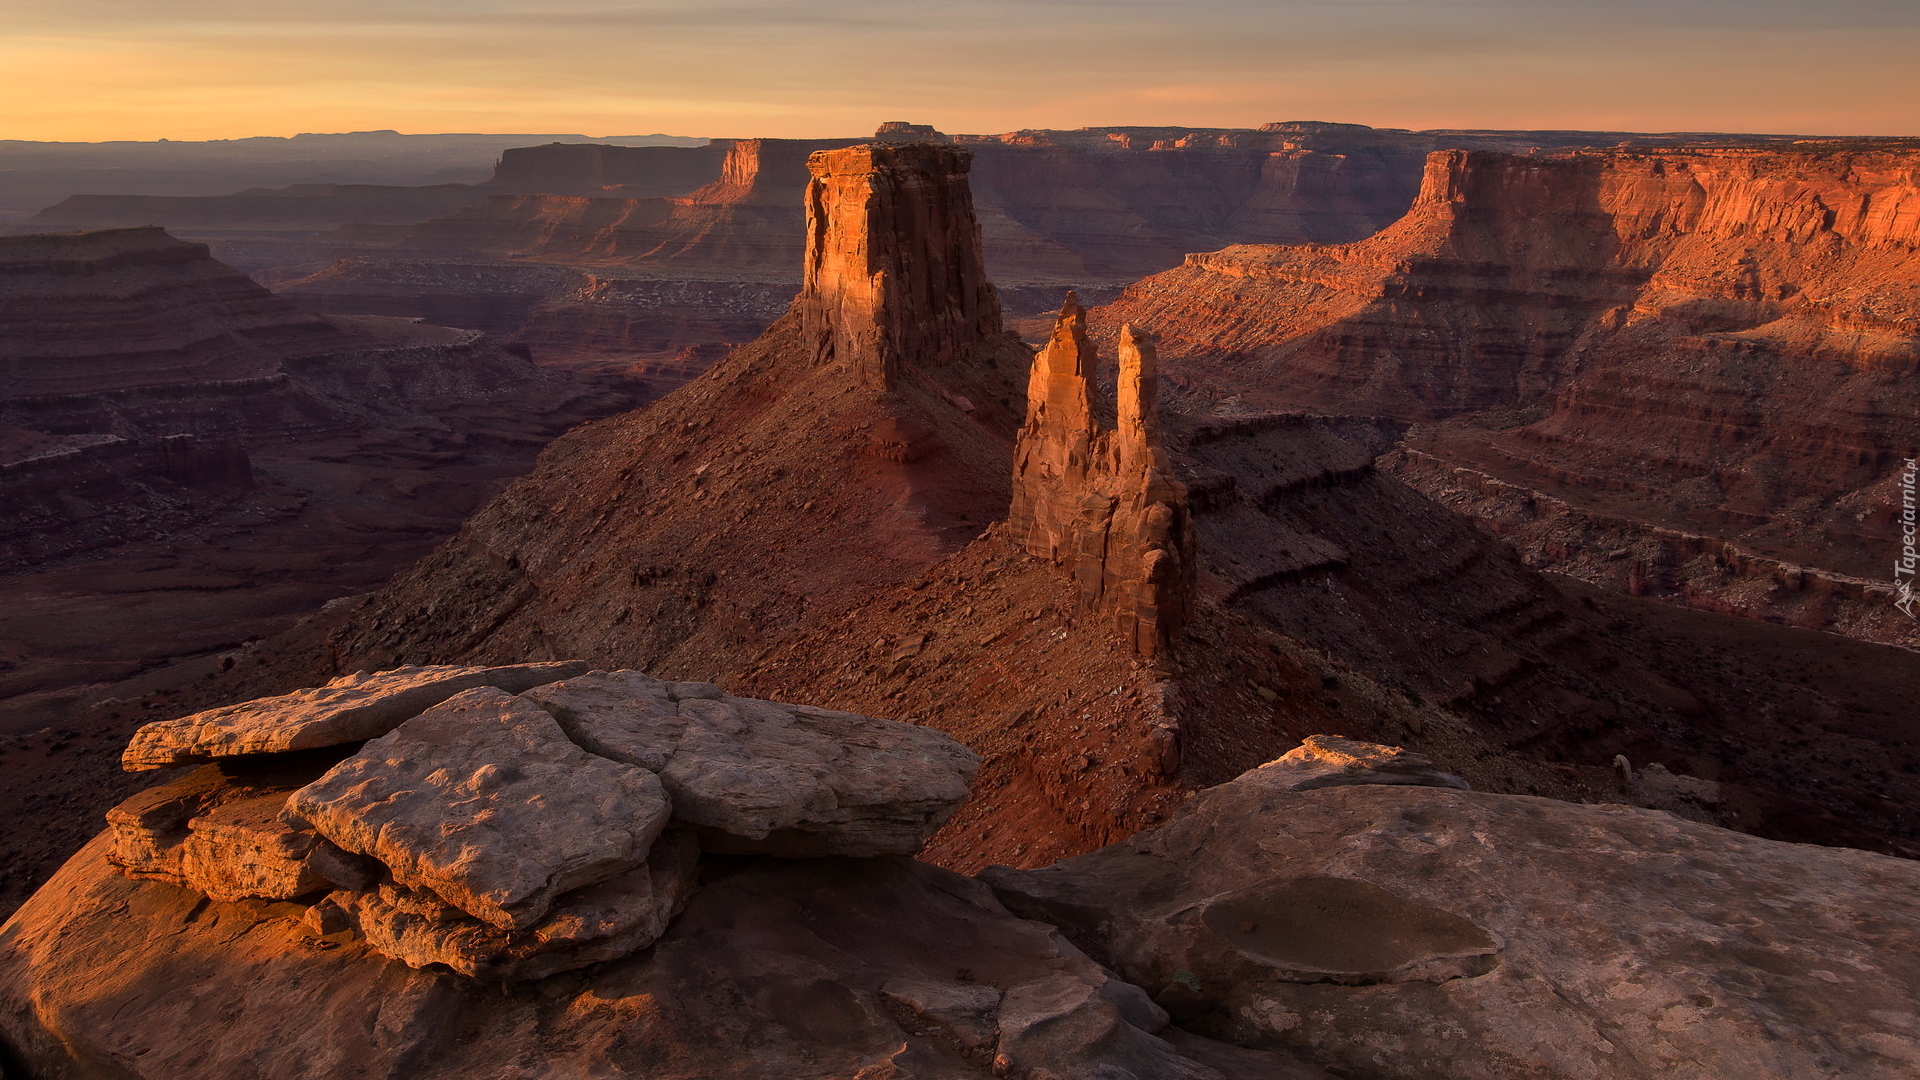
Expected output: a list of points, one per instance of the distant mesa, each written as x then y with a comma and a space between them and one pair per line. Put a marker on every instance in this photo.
900, 131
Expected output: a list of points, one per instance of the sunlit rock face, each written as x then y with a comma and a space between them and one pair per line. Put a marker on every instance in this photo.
894, 274
1100, 502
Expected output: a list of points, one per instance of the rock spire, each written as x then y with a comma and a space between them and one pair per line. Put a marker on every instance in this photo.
1103, 503
894, 274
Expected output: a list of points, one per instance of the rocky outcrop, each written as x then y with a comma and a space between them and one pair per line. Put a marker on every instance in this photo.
514, 822
350, 709
1344, 910
1386, 930
1103, 503
893, 273
877, 482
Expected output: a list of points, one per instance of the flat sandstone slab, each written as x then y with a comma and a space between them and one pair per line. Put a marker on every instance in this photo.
763, 777
352, 708
484, 802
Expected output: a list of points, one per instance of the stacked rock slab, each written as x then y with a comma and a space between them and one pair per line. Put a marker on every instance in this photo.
514, 822
894, 275
1103, 503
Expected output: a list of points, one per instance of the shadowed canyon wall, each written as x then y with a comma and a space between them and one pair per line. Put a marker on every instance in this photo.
1721, 341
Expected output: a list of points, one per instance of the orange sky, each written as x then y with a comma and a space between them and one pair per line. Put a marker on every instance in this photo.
197, 69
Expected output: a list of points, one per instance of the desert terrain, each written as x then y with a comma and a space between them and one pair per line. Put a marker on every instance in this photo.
1458, 540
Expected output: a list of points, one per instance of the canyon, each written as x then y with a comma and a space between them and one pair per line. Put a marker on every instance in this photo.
1203, 604
1679, 372
864, 565
651, 259
192, 464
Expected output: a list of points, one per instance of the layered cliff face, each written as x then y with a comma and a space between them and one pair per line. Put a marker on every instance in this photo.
893, 272
1094, 209
134, 309
1716, 341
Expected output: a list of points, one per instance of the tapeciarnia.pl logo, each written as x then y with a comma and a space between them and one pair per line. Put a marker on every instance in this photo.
1905, 565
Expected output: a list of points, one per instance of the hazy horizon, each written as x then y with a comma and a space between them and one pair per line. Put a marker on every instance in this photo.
103, 70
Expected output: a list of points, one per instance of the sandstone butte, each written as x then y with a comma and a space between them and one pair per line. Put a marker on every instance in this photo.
1678, 373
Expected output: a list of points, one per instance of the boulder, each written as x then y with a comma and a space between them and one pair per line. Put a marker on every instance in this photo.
483, 802
1386, 929
762, 777
350, 709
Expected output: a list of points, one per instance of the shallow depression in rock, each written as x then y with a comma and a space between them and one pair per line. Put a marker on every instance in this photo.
1339, 926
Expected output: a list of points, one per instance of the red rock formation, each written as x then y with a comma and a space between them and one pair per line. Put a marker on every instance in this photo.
893, 269
1720, 341
1103, 503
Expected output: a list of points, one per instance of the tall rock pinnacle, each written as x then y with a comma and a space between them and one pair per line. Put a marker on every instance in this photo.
1103, 503
894, 274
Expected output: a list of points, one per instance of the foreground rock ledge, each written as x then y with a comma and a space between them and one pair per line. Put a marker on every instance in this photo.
1348, 907
512, 836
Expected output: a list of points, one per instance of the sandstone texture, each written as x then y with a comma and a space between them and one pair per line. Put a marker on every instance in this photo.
476, 844
820, 968
1104, 503
1389, 924
893, 271
760, 777
350, 709
1392, 929
217, 830
483, 801
448, 821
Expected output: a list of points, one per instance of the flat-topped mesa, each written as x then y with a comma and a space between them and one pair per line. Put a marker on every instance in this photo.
1103, 503
894, 274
